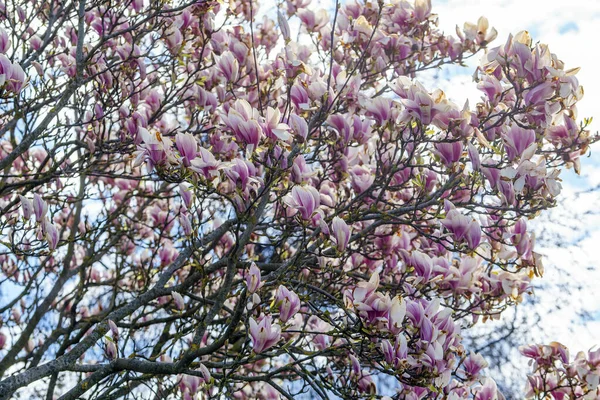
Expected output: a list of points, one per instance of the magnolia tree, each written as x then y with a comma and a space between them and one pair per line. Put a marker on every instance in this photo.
206, 199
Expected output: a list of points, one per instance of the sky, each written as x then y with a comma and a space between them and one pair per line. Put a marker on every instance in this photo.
572, 31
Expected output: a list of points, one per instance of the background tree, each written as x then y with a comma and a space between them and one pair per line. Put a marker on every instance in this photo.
195, 203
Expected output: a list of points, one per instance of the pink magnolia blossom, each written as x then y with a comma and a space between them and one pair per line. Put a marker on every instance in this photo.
179, 302
155, 149
283, 26
366, 384
187, 147
111, 350
114, 329
299, 126
396, 314
241, 173
289, 303
4, 41
50, 233
305, 199
186, 225
187, 195
479, 32
449, 152
473, 365
264, 334
206, 164
517, 140
462, 227
489, 391
253, 279
229, 67
26, 207
341, 233
40, 207
362, 178
242, 119
273, 127
395, 354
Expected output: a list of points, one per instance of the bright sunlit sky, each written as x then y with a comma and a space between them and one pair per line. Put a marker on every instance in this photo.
572, 30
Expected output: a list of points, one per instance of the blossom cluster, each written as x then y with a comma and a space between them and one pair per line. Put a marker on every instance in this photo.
242, 207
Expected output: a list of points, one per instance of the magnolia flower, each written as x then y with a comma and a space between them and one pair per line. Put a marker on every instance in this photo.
380, 108
473, 234
397, 353
241, 172
422, 9
362, 178
340, 123
301, 171
186, 194
305, 199
474, 157
242, 119
26, 206
229, 67
206, 165
273, 127
253, 279
153, 99
479, 33
4, 41
154, 148
298, 126
113, 328
488, 391
299, 97
179, 302
186, 225
363, 291
190, 384
264, 334
283, 25
366, 384
40, 207
355, 369
206, 376
423, 264
313, 20
396, 314
449, 152
11, 75
428, 331
187, 146
341, 233
517, 140
492, 88
461, 226
110, 349
50, 233
473, 364
173, 38
289, 303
